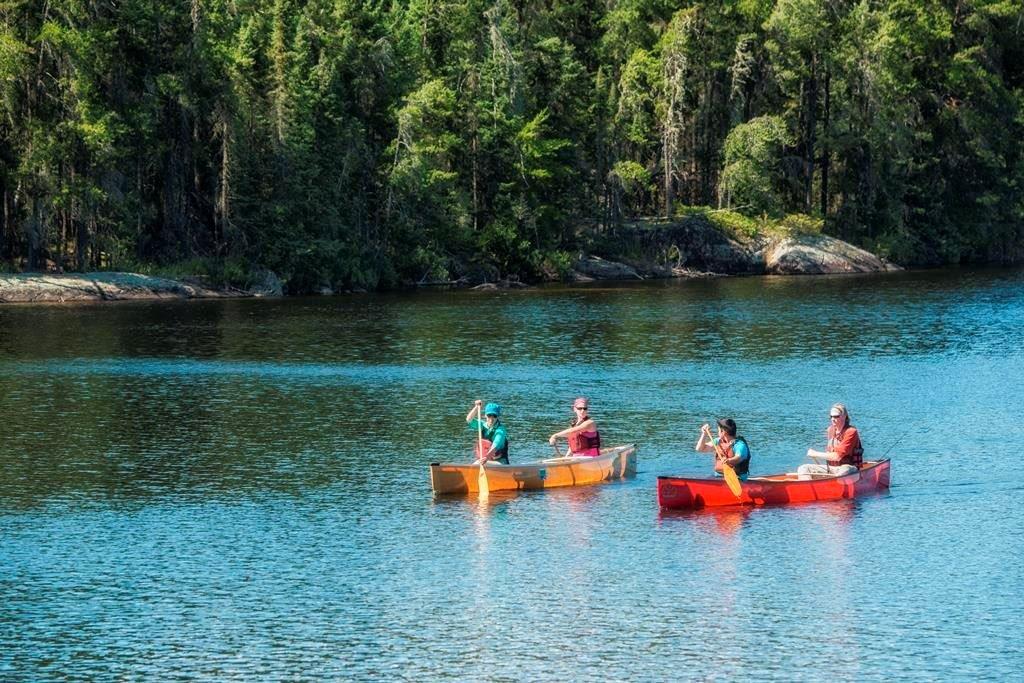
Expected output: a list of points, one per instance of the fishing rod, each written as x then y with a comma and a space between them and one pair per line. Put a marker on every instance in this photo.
896, 442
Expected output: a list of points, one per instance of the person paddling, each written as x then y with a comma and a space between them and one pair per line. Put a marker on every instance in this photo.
727, 447
843, 453
495, 438
582, 434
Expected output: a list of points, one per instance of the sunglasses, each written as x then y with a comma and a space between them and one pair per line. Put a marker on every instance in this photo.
579, 407
835, 417
491, 415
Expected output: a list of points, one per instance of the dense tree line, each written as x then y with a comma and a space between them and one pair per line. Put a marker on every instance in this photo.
362, 142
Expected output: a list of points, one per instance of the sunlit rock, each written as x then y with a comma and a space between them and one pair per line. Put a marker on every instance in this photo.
808, 254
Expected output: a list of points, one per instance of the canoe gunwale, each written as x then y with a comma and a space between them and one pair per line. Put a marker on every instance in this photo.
787, 478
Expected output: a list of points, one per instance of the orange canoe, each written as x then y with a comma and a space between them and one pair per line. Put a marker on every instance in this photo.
777, 489
613, 463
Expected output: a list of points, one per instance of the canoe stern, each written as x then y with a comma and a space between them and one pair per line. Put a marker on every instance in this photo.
454, 478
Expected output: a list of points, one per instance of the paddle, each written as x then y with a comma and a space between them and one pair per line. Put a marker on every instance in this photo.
728, 473
731, 480
481, 479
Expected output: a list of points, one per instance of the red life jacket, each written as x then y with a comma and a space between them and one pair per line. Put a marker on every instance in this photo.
501, 455
481, 447
585, 443
835, 439
722, 454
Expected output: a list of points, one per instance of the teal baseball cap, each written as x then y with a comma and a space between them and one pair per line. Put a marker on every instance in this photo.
492, 409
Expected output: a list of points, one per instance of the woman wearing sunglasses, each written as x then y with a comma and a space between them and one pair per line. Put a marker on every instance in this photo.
844, 453
582, 433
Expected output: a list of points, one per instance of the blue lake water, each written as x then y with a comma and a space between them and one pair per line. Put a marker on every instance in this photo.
238, 490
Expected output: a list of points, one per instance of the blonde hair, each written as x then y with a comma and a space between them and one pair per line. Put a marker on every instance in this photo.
842, 409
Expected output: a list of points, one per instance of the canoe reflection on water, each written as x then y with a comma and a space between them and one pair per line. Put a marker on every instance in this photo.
726, 521
574, 498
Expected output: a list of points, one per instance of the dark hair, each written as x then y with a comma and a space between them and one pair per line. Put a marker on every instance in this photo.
728, 425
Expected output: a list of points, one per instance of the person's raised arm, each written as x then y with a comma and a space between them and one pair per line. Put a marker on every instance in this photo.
474, 411
704, 441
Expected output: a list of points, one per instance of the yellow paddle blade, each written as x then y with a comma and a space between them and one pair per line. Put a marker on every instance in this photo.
731, 480
483, 488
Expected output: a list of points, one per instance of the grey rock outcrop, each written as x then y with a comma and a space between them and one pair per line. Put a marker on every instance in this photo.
267, 284
694, 247
40, 287
597, 268
819, 254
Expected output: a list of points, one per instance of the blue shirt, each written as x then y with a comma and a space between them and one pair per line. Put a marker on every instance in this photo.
739, 448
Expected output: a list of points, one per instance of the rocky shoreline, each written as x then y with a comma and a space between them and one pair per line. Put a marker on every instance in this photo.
685, 249
696, 248
111, 286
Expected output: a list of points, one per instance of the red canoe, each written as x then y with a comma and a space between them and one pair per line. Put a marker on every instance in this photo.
681, 492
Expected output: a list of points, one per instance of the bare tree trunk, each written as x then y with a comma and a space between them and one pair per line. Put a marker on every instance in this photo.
62, 247
5, 233
82, 234
705, 166
698, 142
138, 214
32, 233
825, 160
476, 172
279, 57
223, 206
809, 136
667, 151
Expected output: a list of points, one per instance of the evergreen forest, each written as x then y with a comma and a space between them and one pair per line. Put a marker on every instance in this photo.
370, 143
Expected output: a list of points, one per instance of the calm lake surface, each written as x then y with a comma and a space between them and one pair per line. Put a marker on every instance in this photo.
238, 490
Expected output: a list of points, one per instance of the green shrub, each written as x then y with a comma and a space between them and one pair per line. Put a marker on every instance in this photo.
635, 179
432, 266
801, 223
898, 246
686, 211
556, 264
734, 223
212, 272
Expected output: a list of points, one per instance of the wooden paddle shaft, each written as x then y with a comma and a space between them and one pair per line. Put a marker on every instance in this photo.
479, 434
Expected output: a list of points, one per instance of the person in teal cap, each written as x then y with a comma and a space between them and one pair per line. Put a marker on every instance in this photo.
495, 437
